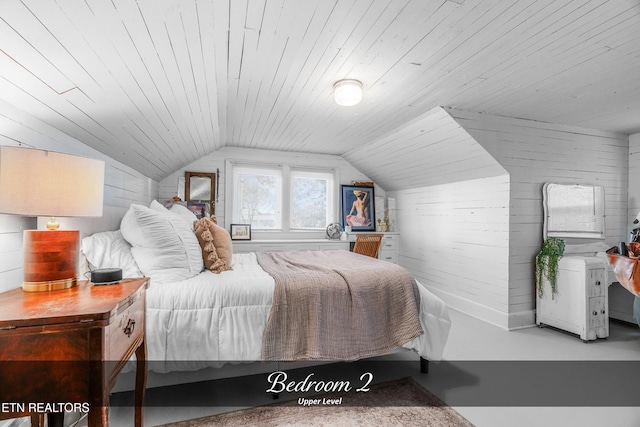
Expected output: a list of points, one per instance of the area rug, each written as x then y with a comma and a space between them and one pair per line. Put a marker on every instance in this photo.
395, 403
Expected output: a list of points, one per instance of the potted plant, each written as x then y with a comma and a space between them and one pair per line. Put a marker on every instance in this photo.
547, 264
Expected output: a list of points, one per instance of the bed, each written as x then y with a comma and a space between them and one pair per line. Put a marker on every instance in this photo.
207, 310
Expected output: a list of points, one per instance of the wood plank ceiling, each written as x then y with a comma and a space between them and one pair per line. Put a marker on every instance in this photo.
156, 84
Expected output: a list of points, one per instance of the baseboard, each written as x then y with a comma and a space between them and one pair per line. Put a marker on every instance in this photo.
507, 321
472, 308
522, 319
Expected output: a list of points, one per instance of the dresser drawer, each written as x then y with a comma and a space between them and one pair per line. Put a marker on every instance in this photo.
597, 312
389, 255
389, 241
125, 328
595, 282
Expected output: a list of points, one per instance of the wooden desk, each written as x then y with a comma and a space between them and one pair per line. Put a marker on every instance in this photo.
66, 347
389, 248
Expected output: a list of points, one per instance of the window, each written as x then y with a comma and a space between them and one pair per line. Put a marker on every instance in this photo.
258, 197
311, 200
282, 198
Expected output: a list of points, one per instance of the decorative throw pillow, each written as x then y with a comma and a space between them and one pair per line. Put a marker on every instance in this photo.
215, 243
163, 244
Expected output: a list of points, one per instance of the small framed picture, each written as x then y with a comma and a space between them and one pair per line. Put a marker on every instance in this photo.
357, 207
240, 231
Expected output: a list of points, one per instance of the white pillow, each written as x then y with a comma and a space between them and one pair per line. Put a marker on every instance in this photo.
108, 249
157, 206
163, 245
184, 213
181, 211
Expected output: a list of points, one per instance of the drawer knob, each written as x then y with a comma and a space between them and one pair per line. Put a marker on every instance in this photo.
128, 330
595, 313
598, 283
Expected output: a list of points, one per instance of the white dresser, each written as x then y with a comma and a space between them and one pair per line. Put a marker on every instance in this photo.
389, 248
581, 303
575, 214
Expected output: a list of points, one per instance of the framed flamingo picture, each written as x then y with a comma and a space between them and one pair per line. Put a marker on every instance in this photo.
357, 207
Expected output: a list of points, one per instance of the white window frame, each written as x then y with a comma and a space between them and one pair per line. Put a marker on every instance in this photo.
331, 193
265, 170
287, 171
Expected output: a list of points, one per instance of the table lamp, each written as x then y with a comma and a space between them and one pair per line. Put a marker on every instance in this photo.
45, 183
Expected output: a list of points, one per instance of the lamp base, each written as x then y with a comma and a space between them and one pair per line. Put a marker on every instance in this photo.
50, 259
49, 286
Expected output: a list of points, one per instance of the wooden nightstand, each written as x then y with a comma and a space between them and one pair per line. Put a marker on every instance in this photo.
66, 347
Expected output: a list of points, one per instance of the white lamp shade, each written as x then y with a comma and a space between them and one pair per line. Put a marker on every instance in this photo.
347, 92
45, 183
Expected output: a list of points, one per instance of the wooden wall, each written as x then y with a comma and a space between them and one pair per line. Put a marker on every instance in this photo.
432, 149
451, 209
634, 179
534, 153
454, 238
446, 195
217, 161
123, 185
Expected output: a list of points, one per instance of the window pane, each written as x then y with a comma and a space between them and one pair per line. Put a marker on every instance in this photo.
311, 200
257, 198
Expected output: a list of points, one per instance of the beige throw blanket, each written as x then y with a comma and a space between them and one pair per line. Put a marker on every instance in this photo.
337, 305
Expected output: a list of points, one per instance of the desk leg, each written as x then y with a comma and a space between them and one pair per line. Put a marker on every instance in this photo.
141, 382
55, 419
98, 416
98, 394
37, 420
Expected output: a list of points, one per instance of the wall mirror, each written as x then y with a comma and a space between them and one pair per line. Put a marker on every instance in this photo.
574, 211
200, 187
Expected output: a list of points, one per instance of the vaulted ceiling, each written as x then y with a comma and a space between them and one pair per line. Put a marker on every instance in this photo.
156, 84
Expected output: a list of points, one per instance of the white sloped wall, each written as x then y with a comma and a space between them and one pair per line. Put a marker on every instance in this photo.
537, 152
469, 185
451, 209
455, 240
429, 150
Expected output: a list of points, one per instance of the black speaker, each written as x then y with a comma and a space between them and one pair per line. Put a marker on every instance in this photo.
106, 276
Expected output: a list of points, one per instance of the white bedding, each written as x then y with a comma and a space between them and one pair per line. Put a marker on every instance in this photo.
212, 319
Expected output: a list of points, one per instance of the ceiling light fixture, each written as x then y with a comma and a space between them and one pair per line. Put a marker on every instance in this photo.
347, 92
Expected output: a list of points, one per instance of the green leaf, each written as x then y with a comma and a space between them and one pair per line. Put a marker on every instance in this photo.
547, 264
